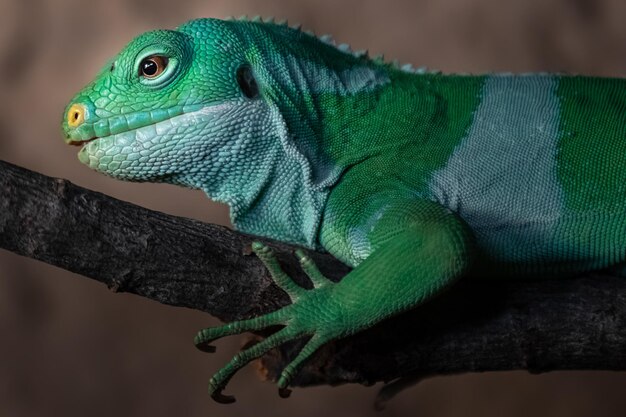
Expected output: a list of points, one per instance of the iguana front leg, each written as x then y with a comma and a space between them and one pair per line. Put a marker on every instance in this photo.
418, 248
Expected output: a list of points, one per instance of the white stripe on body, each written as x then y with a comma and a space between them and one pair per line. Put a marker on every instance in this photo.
502, 177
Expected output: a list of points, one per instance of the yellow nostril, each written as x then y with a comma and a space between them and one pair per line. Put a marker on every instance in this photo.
76, 115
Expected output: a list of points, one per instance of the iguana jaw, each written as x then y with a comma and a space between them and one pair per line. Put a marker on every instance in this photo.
167, 147
123, 145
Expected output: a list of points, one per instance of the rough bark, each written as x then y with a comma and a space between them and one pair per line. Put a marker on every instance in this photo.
477, 326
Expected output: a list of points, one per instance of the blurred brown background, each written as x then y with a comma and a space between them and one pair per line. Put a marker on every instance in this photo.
69, 347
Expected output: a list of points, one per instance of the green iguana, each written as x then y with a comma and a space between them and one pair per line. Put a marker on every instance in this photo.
411, 177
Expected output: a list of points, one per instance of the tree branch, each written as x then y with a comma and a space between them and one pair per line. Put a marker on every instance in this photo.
477, 326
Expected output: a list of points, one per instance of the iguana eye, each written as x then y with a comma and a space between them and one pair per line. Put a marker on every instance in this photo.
152, 66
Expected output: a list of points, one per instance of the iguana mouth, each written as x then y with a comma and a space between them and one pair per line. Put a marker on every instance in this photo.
84, 142
87, 130
81, 142
127, 145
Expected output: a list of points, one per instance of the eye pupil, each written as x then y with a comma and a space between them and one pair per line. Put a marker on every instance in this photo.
149, 67
246, 82
153, 66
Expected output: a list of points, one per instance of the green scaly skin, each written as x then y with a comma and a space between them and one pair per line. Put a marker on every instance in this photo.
409, 176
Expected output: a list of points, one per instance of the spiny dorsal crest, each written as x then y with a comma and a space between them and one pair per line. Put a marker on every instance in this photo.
328, 39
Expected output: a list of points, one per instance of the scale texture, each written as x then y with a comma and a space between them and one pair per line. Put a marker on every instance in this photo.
414, 178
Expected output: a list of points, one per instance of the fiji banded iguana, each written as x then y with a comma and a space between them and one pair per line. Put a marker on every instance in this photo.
409, 176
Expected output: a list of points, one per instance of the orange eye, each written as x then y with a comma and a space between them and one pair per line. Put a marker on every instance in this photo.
152, 66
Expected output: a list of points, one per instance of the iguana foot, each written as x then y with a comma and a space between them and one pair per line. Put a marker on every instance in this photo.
311, 314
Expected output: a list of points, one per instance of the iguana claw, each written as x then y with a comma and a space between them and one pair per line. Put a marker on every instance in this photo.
218, 397
203, 347
284, 392
202, 344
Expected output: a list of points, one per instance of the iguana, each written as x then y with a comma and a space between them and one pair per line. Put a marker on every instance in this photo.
411, 177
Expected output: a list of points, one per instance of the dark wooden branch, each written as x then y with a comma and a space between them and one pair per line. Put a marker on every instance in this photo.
477, 326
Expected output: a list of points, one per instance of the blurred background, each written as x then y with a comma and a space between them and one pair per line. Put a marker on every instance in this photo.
69, 347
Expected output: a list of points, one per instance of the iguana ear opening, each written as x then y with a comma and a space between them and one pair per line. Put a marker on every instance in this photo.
246, 81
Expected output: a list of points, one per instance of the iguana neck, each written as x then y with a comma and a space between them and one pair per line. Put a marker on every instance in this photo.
326, 118
398, 125
371, 113
281, 203
274, 199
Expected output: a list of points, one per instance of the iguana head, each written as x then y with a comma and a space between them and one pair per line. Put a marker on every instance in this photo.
171, 103
225, 106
